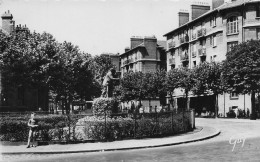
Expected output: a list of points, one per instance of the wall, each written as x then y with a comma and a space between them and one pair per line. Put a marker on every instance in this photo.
225, 103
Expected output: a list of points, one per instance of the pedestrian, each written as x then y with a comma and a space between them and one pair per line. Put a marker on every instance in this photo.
33, 126
236, 112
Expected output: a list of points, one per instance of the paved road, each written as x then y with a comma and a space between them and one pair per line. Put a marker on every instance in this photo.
216, 149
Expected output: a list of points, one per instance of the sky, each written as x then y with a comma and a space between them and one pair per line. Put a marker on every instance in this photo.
98, 26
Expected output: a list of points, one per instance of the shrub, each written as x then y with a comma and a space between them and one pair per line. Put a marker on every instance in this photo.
231, 114
102, 105
97, 128
51, 127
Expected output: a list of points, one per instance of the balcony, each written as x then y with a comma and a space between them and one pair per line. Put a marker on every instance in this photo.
171, 44
194, 54
202, 51
194, 36
172, 61
201, 33
184, 57
185, 39
126, 62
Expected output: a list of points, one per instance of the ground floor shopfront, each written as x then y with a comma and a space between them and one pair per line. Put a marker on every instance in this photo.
205, 105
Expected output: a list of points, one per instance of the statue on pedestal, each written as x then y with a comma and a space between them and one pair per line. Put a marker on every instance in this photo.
108, 84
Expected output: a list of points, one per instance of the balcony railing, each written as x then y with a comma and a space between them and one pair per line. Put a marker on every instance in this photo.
184, 39
194, 54
172, 61
171, 44
202, 32
184, 57
131, 60
202, 51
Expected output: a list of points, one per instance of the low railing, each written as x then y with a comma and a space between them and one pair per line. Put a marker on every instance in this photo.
171, 44
184, 39
130, 61
201, 32
82, 128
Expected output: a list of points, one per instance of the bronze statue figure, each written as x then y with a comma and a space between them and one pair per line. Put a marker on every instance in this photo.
108, 85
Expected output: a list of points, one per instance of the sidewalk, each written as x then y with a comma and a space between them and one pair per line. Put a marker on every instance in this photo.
200, 133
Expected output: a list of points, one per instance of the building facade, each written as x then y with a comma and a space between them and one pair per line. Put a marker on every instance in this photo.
146, 54
208, 35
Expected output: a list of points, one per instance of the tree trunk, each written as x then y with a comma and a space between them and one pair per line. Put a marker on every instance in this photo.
62, 106
187, 101
70, 104
150, 105
171, 102
216, 105
253, 111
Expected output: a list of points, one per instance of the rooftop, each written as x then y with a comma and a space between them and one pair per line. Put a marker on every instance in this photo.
224, 6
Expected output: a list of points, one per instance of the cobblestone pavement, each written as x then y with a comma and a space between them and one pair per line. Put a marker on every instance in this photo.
215, 149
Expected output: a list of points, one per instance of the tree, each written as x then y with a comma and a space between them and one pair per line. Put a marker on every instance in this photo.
208, 79
133, 87
180, 78
72, 77
101, 65
186, 81
38, 61
172, 83
155, 82
242, 70
26, 58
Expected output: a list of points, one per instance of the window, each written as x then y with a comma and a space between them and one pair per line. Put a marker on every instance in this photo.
194, 63
203, 42
213, 40
230, 45
213, 21
234, 95
232, 25
258, 10
193, 47
258, 33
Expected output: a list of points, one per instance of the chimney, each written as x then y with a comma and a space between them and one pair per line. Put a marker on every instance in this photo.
136, 41
183, 17
7, 22
198, 10
217, 3
150, 44
127, 49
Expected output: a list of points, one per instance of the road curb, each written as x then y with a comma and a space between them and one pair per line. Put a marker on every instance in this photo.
216, 133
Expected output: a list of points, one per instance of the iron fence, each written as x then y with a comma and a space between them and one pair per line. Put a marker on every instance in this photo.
85, 128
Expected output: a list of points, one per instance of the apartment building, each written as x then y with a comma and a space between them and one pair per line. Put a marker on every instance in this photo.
146, 54
207, 35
